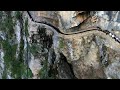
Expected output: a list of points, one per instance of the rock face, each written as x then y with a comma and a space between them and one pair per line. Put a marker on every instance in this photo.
70, 19
14, 53
31, 50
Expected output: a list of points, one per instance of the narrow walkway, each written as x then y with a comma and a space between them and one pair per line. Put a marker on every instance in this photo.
111, 38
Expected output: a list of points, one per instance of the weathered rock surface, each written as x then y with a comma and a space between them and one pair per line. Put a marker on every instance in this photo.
33, 50
90, 55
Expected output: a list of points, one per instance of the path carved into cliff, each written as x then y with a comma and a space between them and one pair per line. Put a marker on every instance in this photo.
111, 38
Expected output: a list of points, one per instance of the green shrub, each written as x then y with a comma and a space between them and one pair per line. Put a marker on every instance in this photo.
61, 43
26, 27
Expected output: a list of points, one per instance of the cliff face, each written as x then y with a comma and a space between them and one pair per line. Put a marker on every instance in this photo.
13, 45
30, 49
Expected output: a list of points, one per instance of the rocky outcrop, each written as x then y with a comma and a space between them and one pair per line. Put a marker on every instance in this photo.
89, 54
33, 50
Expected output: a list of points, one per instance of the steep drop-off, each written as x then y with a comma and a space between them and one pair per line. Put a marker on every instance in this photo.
32, 50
